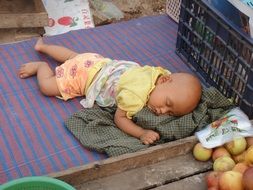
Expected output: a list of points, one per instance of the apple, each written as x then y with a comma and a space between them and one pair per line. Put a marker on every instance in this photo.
230, 180
201, 153
247, 179
240, 167
213, 188
249, 156
249, 141
219, 152
240, 157
236, 146
224, 163
212, 179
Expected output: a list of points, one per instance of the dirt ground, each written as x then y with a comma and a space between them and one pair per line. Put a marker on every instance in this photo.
132, 9
141, 7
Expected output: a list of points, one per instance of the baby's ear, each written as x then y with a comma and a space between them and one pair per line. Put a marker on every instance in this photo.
163, 78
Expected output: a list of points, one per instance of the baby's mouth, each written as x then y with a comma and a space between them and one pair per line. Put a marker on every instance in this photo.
157, 113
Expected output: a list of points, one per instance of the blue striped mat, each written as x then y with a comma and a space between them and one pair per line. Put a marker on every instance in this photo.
33, 138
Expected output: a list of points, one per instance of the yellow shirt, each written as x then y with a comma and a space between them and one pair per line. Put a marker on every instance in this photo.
134, 88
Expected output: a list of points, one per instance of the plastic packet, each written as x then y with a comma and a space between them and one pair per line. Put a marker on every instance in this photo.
107, 9
232, 125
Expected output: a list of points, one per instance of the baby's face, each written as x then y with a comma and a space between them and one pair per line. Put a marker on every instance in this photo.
175, 95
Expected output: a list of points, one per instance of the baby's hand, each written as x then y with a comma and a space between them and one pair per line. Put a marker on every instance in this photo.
149, 137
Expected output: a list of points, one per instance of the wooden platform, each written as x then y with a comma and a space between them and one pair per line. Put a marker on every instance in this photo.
167, 166
22, 14
21, 19
11, 35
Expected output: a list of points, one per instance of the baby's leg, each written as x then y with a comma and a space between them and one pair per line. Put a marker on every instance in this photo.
59, 53
45, 76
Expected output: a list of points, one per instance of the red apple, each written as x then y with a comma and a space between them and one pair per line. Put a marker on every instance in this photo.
231, 180
249, 156
213, 188
249, 141
219, 152
201, 153
240, 167
223, 164
236, 146
212, 179
240, 157
247, 179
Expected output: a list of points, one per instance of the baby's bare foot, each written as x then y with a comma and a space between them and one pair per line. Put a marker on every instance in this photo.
28, 69
39, 44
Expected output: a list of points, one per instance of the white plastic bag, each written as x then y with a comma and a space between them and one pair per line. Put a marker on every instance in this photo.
232, 125
67, 15
107, 8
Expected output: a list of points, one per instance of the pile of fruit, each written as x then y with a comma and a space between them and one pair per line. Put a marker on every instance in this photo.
232, 164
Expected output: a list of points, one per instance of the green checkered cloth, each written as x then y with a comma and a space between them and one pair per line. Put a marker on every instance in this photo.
95, 128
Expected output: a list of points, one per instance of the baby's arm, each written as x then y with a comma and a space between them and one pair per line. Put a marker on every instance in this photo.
129, 127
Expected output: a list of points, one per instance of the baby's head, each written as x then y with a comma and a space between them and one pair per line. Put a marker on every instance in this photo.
176, 94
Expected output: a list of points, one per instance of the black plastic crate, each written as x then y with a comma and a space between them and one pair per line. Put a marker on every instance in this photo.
218, 51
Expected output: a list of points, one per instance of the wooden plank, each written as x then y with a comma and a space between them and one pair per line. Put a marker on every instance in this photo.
22, 13
148, 177
39, 7
114, 165
194, 182
14, 34
23, 20
16, 6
